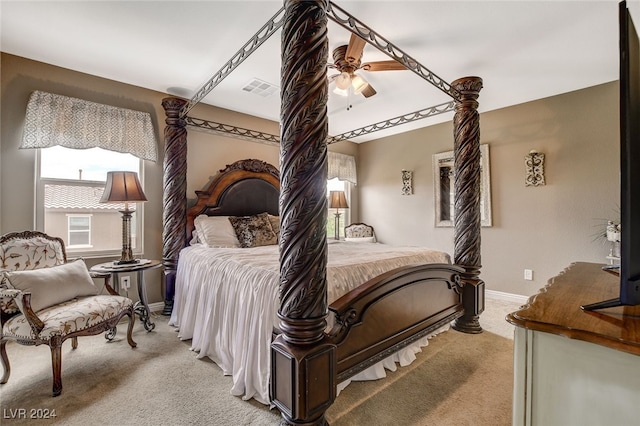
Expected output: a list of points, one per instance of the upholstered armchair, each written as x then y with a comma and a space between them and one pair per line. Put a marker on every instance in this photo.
46, 300
360, 232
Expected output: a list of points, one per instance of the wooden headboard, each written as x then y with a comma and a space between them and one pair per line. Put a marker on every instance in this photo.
244, 188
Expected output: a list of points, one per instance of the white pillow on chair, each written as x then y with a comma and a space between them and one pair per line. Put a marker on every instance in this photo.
53, 285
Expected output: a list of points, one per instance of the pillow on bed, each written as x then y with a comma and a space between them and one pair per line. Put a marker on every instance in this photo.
215, 231
194, 238
361, 239
254, 231
275, 224
53, 285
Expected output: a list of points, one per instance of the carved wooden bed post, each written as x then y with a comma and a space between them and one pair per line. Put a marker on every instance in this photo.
466, 128
302, 359
174, 214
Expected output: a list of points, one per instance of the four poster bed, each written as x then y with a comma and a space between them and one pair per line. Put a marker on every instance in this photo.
227, 295
373, 315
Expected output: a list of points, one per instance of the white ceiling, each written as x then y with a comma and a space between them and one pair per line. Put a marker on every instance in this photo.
523, 50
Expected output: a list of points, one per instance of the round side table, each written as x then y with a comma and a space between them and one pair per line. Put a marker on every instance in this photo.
141, 307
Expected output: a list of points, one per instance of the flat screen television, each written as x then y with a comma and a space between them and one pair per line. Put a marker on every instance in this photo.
629, 270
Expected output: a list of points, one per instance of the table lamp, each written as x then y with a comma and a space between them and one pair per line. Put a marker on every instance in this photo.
337, 201
124, 187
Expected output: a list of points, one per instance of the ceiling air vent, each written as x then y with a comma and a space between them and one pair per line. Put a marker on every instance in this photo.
260, 87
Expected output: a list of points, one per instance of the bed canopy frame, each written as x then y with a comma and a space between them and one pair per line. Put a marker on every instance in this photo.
303, 345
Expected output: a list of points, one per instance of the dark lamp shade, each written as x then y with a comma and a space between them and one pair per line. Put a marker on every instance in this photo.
122, 187
337, 200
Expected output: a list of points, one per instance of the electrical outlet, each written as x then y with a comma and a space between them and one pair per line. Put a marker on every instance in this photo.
528, 274
125, 282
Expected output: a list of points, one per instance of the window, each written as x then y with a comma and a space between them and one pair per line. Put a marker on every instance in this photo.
336, 184
70, 185
79, 228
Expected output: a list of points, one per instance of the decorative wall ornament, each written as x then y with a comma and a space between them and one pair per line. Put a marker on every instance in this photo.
444, 191
534, 165
407, 182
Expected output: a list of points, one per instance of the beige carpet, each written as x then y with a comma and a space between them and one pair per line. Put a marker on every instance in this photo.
458, 379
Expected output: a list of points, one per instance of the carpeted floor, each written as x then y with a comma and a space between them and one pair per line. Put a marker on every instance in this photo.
458, 379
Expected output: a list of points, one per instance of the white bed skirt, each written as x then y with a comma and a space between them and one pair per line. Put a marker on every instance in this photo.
402, 358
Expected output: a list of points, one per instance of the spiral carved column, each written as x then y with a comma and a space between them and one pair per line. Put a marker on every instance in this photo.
302, 376
466, 128
174, 192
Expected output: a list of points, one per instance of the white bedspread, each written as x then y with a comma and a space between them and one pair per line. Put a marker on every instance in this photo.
226, 301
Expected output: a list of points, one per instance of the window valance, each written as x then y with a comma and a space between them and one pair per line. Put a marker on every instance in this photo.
75, 123
342, 166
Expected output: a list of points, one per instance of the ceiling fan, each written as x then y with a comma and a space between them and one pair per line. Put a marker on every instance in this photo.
348, 59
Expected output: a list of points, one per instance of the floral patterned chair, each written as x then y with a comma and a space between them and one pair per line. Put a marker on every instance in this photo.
359, 232
46, 300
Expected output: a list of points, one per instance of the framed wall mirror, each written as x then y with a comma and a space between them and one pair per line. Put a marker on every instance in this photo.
443, 173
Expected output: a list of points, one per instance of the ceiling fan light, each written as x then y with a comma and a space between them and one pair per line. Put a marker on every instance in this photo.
359, 84
341, 92
343, 80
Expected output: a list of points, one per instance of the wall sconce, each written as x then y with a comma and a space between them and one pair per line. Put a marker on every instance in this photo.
534, 166
407, 184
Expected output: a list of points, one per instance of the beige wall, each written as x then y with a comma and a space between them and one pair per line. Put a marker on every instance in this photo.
207, 153
539, 228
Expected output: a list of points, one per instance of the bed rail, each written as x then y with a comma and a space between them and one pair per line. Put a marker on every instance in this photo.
391, 311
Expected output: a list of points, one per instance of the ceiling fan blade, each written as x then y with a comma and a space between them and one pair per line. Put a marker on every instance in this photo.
383, 66
368, 91
354, 49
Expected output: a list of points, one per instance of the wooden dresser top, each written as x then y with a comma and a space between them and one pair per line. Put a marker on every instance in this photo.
556, 309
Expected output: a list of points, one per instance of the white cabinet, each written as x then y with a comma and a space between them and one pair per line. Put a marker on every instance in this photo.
573, 367
561, 381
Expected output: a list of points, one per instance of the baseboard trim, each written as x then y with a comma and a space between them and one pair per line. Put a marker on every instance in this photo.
508, 297
156, 307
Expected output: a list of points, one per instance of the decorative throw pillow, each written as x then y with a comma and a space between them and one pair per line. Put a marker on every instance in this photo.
254, 231
361, 239
215, 231
194, 238
275, 224
53, 285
